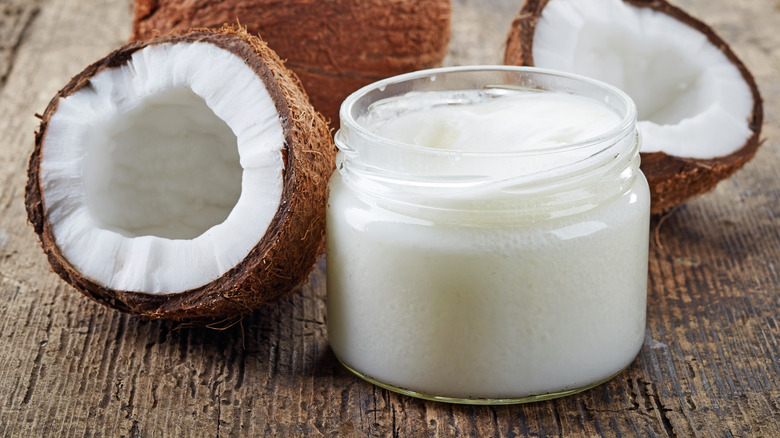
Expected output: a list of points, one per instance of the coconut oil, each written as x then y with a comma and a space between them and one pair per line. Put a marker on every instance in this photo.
487, 235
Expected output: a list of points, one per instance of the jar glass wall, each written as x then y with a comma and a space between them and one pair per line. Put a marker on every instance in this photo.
488, 276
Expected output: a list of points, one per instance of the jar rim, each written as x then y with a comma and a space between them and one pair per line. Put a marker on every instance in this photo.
625, 126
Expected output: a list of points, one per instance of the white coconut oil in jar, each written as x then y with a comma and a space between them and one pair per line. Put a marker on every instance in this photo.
487, 234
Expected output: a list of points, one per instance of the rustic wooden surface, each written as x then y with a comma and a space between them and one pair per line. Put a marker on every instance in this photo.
710, 365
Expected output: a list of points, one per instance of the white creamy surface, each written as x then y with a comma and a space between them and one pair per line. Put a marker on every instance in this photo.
514, 121
508, 306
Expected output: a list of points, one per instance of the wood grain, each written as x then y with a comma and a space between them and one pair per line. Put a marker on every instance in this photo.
710, 365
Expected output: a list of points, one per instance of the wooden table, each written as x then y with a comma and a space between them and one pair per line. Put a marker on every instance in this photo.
710, 365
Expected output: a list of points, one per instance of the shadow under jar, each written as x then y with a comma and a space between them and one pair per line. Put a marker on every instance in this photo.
487, 234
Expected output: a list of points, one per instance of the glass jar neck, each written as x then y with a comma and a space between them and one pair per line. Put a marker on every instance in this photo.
431, 182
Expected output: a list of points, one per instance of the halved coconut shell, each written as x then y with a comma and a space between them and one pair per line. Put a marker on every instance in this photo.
335, 47
673, 179
290, 245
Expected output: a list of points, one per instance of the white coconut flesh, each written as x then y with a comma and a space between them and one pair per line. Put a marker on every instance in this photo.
165, 172
691, 100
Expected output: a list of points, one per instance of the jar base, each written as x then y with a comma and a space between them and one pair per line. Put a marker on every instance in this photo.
480, 401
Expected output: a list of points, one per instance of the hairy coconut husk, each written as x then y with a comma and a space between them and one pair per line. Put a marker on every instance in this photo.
287, 253
335, 46
673, 180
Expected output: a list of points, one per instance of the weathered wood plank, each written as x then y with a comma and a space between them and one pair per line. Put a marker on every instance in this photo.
15, 18
710, 365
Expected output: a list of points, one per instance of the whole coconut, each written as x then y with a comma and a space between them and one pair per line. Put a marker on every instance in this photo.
334, 46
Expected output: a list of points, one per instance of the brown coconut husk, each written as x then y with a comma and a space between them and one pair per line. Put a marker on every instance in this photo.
335, 46
287, 253
673, 180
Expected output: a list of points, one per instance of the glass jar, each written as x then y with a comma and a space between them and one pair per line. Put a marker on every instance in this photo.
488, 276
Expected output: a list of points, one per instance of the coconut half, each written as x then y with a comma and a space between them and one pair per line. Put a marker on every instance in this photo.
699, 109
184, 177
